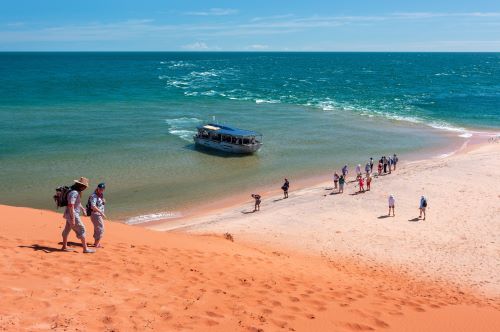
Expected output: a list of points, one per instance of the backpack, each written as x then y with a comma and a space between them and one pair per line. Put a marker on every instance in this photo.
424, 203
61, 196
88, 207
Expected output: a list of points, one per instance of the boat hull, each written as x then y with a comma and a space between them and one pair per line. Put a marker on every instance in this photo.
228, 147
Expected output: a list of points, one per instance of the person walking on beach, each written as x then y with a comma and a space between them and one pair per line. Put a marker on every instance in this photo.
335, 180
72, 215
361, 184
358, 171
384, 161
379, 167
285, 187
395, 160
257, 202
345, 171
368, 168
371, 164
392, 202
389, 163
423, 206
368, 181
95, 206
341, 184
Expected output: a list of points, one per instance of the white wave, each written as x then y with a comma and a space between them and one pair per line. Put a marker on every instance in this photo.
183, 128
209, 73
178, 84
445, 155
331, 105
180, 64
265, 101
152, 217
209, 93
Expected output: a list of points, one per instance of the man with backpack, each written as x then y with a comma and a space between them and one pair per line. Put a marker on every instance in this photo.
285, 187
423, 206
72, 214
95, 209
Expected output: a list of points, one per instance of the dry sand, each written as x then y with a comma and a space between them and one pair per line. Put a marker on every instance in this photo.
145, 280
459, 241
386, 274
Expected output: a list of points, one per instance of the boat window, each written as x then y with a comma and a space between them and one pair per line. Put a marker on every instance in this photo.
245, 141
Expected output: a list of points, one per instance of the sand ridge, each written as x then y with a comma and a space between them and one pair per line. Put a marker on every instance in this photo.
145, 280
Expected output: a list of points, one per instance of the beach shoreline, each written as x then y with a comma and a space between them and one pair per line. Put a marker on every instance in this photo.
186, 212
360, 234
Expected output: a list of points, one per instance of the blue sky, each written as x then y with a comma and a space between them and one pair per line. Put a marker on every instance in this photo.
365, 25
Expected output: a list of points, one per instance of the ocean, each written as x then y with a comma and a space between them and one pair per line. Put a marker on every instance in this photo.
128, 118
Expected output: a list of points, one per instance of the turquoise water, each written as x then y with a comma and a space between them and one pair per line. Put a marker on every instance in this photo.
128, 118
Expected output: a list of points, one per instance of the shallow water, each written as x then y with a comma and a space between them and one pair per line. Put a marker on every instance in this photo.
128, 118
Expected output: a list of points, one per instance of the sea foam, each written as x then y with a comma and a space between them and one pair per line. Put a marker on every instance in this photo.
152, 217
183, 128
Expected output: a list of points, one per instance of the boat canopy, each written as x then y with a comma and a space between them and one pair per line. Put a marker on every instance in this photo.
231, 131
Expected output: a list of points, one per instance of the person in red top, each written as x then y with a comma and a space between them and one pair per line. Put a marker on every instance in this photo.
361, 184
368, 181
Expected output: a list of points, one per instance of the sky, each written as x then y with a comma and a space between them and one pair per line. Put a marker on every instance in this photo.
335, 25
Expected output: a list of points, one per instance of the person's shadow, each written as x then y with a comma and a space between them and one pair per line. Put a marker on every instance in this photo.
37, 247
414, 219
383, 216
248, 212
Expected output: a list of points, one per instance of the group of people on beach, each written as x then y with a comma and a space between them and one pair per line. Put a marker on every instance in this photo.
385, 166
74, 209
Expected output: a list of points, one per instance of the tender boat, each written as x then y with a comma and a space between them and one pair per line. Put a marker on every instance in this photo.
228, 139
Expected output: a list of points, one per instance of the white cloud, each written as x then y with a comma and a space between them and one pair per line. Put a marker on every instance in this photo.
140, 31
427, 15
15, 24
214, 12
267, 18
258, 47
197, 46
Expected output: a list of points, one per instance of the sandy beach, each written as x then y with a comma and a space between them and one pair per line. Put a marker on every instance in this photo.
459, 241
313, 262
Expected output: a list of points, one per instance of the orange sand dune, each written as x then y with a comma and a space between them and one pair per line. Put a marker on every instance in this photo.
145, 280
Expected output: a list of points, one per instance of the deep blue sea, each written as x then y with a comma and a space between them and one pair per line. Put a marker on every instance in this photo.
128, 118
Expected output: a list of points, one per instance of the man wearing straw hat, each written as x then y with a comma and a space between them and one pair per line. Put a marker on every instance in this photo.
72, 215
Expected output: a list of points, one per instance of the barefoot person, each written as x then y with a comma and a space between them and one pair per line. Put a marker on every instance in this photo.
257, 202
285, 187
361, 184
72, 215
335, 180
423, 206
358, 171
392, 203
368, 168
395, 160
345, 171
341, 184
368, 181
96, 205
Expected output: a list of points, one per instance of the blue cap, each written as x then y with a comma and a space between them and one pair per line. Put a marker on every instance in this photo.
101, 185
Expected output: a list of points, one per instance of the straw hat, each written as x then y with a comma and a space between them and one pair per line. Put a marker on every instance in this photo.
83, 181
